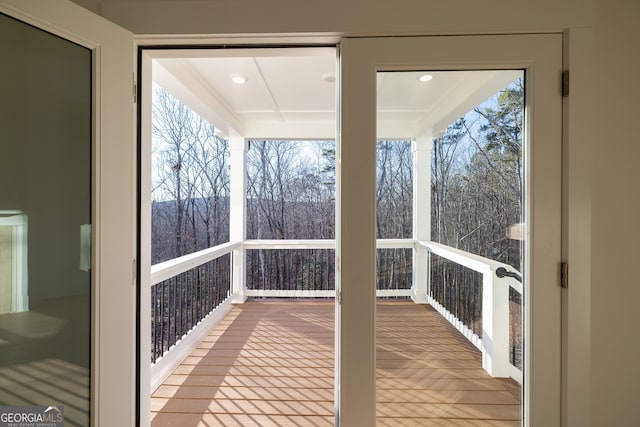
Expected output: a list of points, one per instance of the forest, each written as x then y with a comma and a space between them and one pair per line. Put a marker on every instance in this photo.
476, 183
476, 194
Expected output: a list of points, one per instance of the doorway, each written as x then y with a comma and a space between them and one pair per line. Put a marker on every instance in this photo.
362, 61
14, 293
238, 202
356, 240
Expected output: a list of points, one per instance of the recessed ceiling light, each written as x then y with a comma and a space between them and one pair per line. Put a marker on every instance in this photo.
239, 80
425, 77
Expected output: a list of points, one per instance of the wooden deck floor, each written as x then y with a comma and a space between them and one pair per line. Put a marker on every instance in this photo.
271, 364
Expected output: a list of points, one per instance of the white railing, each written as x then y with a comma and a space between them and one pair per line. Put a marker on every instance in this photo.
171, 268
494, 342
320, 244
291, 245
160, 272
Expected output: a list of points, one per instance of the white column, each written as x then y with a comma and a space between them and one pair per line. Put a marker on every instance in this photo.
421, 216
238, 215
356, 241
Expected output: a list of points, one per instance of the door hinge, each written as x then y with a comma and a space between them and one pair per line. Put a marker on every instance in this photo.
564, 275
565, 83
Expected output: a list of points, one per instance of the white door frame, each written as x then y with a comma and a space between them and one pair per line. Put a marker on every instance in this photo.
113, 368
18, 222
541, 56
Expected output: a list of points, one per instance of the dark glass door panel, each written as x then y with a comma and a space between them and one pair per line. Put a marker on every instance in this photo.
45, 212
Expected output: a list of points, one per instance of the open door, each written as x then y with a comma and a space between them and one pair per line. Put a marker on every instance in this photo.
68, 147
367, 66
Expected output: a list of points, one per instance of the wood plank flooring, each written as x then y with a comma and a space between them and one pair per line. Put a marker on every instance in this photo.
270, 363
428, 374
44, 357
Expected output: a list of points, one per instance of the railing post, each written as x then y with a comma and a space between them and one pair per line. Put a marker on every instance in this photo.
420, 286
238, 215
495, 324
421, 148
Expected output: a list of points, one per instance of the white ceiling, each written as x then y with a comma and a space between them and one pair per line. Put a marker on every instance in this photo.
289, 93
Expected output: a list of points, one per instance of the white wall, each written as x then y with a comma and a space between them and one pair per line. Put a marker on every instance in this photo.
615, 349
350, 16
602, 179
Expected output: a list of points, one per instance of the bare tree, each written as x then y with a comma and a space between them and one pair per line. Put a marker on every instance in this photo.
477, 193
190, 187
394, 198
290, 196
